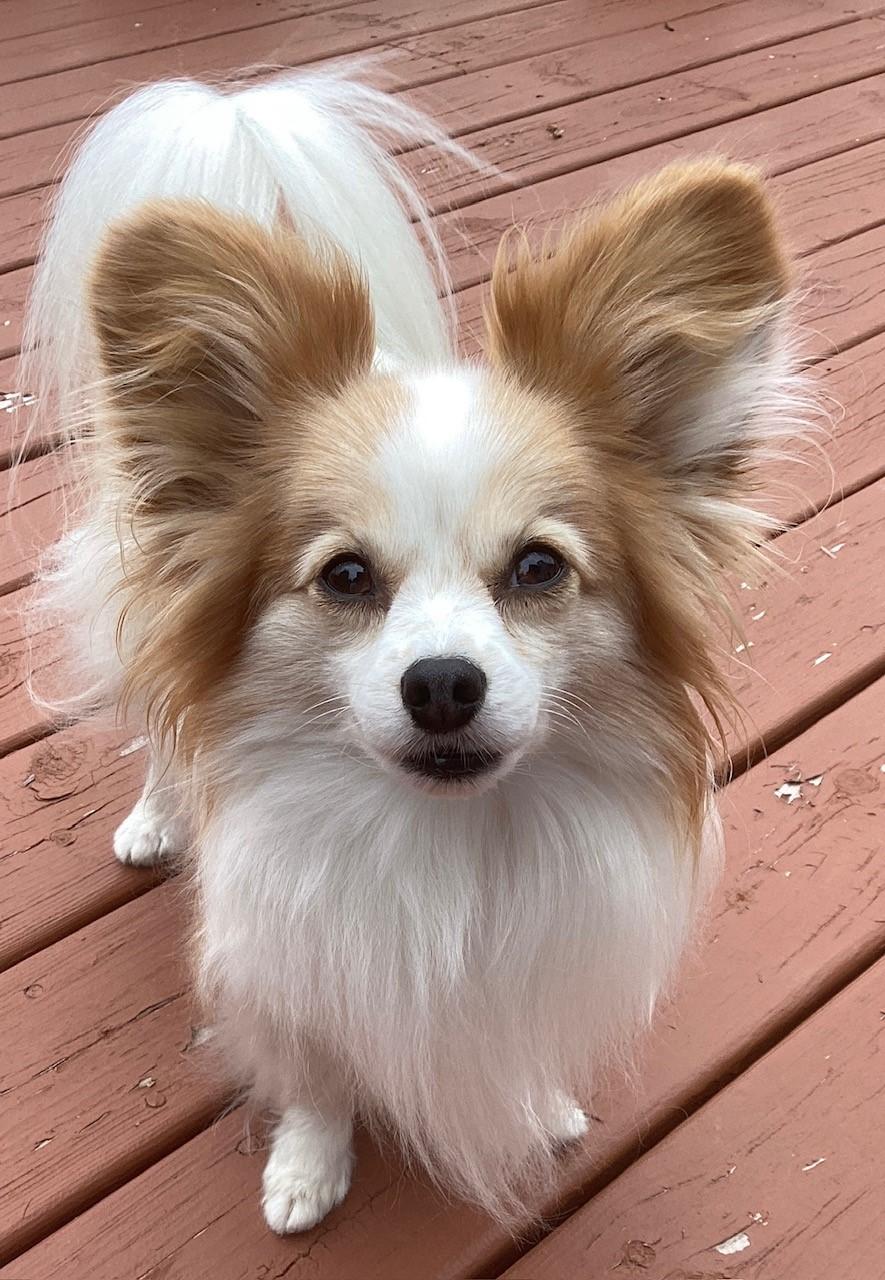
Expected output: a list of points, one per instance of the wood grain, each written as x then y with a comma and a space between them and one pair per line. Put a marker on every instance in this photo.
62, 799
87, 1023
30, 517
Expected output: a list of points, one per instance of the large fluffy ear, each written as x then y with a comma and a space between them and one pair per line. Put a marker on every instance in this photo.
208, 327
660, 312
213, 334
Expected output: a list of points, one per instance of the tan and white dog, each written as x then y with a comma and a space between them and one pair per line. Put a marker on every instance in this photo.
420, 645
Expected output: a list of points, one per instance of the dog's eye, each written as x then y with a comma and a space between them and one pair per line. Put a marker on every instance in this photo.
537, 566
347, 577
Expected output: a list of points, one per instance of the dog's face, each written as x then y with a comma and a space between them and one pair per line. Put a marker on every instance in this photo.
444, 571
453, 573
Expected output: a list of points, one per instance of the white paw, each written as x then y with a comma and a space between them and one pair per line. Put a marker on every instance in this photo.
565, 1120
304, 1179
147, 836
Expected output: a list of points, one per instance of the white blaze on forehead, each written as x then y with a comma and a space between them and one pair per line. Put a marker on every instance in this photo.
443, 409
433, 463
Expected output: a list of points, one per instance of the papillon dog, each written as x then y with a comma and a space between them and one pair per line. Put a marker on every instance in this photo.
422, 647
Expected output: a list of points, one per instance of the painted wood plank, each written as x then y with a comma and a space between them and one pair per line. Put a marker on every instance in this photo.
21, 722
82, 18
567, 137
813, 620
421, 57
30, 514
799, 910
26, 54
61, 800
779, 1175
87, 1024
466, 101
14, 286
64, 96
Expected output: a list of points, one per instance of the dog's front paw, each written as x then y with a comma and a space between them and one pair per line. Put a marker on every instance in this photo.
148, 836
307, 1174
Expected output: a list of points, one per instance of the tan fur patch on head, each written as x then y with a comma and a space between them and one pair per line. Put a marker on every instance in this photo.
216, 335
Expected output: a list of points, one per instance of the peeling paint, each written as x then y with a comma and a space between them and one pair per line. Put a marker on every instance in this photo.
812, 1164
734, 1244
789, 791
822, 657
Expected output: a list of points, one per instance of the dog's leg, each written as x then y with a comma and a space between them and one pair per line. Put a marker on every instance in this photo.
308, 1170
156, 828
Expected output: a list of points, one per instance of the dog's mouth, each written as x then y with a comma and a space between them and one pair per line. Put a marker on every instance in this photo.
454, 764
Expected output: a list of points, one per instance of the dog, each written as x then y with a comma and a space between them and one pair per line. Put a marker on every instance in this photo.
422, 646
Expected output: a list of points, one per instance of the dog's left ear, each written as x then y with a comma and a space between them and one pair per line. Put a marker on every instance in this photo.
659, 314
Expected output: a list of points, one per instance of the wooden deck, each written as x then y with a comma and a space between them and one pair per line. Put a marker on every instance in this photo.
749, 1148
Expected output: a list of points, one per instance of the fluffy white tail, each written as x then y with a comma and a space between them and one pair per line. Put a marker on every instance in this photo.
310, 148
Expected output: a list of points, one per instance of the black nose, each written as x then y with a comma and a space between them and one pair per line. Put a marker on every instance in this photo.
443, 694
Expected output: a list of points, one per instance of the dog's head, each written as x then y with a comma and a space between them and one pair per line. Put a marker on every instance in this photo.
443, 570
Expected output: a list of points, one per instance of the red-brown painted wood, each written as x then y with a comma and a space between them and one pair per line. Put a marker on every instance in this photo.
87, 1024
30, 515
61, 800
63, 96
473, 101
478, 44
16, 423
568, 137
779, 1176
80, 20
136, 28
799, 912
21, 722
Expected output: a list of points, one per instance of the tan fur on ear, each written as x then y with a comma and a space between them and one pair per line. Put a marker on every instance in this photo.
215, 335
226, 322
649, 304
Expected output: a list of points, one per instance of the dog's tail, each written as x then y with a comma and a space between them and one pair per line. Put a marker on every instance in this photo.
310, 149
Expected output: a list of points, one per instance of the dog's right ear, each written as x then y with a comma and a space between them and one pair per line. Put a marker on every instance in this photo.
209, 327
214, 335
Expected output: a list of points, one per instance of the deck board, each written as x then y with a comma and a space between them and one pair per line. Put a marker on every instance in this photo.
108, 1180
62, 800
65, 96
85, 1022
